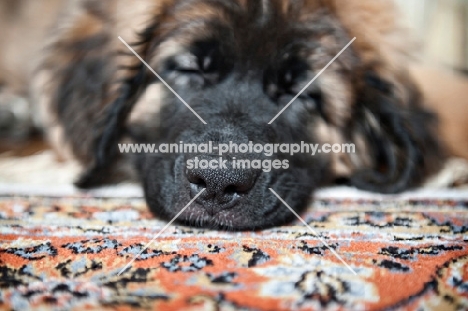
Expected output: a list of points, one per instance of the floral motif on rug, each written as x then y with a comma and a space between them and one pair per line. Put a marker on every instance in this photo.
66, 253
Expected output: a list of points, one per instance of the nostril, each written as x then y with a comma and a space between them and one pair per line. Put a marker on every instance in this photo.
230, 190
199, 182
195, 178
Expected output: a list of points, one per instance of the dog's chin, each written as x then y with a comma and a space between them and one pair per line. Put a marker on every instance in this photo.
242, 217
229, 220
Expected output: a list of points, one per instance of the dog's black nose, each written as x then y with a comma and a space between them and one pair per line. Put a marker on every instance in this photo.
223, 187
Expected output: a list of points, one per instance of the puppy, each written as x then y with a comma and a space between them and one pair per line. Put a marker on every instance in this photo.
237, 64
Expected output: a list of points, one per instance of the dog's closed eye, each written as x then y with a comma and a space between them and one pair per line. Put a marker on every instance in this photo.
199, 66
188, 63
184, 70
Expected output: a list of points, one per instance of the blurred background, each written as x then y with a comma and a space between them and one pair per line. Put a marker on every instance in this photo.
440, 25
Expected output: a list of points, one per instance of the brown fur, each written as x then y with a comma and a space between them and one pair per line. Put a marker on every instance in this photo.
381, 45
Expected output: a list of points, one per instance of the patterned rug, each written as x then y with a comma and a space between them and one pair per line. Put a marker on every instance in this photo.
65, 253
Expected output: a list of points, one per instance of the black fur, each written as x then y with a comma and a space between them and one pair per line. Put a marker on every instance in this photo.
403, 149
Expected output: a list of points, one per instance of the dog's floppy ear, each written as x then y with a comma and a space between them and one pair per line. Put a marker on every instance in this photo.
395, 137
108, 130
400, 135
87, 87
111, 127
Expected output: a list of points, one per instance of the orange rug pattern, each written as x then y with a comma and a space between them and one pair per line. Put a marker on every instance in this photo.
66, 253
